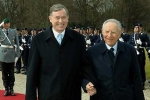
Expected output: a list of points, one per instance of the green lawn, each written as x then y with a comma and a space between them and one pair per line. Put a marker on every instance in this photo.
147, 67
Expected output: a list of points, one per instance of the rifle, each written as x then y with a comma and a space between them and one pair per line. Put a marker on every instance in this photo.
138, 37
88, 40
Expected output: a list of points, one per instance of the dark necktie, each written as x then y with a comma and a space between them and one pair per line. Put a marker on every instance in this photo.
111, 54
7, 32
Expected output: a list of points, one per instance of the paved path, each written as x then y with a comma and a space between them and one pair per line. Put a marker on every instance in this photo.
21, 81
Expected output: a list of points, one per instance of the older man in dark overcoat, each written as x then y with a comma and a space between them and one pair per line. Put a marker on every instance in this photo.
115, 66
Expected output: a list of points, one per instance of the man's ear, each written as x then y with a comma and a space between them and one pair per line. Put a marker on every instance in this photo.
50, 17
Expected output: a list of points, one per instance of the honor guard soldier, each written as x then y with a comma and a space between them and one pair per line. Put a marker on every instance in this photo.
88, 39
84, 31
90, 31
100, 38
18, 64
140, 40
25, 52
95, 36
8, 55
124, 36
33, 33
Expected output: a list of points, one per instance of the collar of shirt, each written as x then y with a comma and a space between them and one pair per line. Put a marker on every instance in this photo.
4, 30
115, 47
56, 33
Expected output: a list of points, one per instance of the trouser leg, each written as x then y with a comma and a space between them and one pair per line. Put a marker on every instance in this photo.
5, 75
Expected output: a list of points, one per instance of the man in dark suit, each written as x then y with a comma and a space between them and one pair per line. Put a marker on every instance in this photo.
140, 40
115, 66
56, 60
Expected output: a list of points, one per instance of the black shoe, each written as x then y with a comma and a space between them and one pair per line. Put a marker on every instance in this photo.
22, 69
25, 73
6, 93
18, 71
12, 93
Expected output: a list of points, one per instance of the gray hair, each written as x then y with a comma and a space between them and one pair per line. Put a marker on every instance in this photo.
115, 21
58, 7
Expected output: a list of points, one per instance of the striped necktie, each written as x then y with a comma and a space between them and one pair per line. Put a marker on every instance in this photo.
59, 38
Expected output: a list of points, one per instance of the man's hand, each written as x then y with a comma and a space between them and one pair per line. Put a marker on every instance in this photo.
1, 24
90, 89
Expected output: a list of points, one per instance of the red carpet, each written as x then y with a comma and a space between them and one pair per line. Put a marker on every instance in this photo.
17, 97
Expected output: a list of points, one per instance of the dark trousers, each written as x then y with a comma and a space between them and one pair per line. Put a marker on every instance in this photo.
141, 60
8, 74
18, 64
25, 55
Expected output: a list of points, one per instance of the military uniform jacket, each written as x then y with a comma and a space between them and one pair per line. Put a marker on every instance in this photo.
54, 70
125, 37
144, 39
9, 54
142, 36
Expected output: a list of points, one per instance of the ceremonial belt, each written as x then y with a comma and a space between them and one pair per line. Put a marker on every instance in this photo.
139, 47
7, 46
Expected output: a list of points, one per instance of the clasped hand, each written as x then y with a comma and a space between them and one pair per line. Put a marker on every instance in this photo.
90, 89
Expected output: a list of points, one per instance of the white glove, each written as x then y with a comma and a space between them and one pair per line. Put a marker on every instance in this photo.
137, 52
148, 51
21, 48
23, 40
16, 59
1, 24
88, 41
139, 42
120, 39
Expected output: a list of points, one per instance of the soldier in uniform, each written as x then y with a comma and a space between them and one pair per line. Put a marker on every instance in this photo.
84, 32
140, 40
33, 33
8, 55
95, 36
18, 64
25, 52
100, 38
90, 31
124, 36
